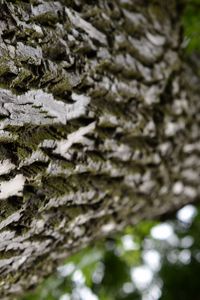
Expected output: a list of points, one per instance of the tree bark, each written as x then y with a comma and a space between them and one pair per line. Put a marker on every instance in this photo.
99, 126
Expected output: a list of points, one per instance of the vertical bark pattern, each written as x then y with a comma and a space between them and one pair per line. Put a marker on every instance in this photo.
99, 126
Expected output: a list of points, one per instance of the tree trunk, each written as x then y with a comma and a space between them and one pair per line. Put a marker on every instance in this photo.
99, 126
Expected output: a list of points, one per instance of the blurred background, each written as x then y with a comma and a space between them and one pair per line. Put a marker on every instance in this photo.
154, 260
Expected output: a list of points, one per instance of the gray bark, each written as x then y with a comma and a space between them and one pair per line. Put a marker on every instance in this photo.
99, 126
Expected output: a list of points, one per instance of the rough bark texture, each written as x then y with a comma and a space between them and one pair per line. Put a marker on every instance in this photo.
99, 126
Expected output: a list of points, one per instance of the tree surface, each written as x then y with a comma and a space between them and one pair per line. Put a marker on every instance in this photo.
99, 126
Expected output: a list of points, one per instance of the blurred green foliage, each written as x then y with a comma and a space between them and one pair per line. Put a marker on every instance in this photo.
191, 22
105, 271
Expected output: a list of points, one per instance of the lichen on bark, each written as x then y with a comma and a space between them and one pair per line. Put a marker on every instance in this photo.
99, 126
